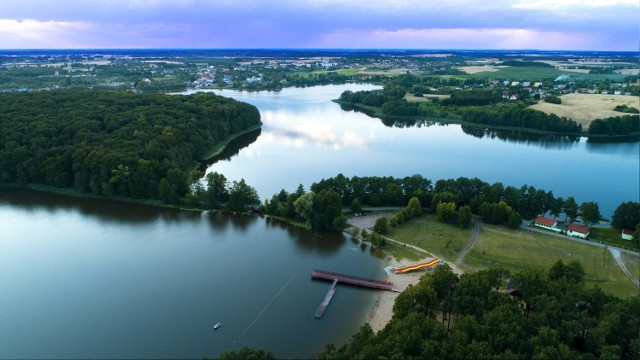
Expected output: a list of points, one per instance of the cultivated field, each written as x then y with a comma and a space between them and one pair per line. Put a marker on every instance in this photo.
476, 69
584, 108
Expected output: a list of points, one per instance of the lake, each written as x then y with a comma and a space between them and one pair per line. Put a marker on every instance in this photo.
99, 279
83, 278
306, 137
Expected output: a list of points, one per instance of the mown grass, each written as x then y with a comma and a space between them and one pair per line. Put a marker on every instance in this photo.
443, 240
612, 236
632, 262
518, 250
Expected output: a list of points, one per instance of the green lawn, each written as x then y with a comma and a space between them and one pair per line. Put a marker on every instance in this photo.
443, 240
518, 250
515, 250
612, 236
632, 262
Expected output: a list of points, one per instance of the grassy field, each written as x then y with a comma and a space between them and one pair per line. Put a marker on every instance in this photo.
443, 240
515, 250
347, 72
612, 236
632, 262
518, 250
584, 108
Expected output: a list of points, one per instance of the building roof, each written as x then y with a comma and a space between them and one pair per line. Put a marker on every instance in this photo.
627, 231
582, 229
545, 221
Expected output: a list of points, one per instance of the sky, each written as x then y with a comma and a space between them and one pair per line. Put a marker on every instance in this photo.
356, 24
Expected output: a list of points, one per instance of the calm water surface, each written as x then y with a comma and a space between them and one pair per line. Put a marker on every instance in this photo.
306, 137
96, 279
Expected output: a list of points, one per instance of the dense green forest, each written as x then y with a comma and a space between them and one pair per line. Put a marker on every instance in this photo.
493, 314
616, 125
509, 115
113, 143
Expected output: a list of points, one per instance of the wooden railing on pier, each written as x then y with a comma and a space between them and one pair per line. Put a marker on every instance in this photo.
353, 280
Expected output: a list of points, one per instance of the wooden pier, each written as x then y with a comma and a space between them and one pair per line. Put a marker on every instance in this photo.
353, 280
327, 299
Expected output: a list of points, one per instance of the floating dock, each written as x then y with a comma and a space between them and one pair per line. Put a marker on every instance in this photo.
327, 299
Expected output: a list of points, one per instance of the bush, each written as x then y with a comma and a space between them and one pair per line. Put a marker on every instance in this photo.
381, 226
553, 99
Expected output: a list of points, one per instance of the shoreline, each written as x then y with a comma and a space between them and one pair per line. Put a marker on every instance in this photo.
148, 202
381, 311
376, 113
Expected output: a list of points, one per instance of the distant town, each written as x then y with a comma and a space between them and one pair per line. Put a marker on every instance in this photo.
517, 74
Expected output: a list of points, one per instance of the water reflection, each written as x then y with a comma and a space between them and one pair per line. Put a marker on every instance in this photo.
222, 221
518, 137
102, 209
233, 148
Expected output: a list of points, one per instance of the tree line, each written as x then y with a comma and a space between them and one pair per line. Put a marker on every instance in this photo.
112, 143
520, 117
453, 201
616, 125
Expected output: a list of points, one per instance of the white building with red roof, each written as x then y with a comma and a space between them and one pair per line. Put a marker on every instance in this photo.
627, 234
577, 230
546, 223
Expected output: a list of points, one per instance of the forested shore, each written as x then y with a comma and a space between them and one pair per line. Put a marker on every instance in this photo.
477, 107
115, 144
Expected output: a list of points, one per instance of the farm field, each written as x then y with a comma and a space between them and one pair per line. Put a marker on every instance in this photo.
584, 108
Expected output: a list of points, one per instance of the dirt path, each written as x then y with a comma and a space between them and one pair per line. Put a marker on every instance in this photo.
472, 241
616, 255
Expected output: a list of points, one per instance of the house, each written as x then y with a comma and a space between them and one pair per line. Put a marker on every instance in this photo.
627, 234
580, 231
546, 223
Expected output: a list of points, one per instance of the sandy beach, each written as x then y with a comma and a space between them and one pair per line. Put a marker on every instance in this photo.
382, 309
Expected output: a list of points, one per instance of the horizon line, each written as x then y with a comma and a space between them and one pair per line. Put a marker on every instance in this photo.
314, 49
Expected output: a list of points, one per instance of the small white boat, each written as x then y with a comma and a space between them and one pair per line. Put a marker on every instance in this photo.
217, 326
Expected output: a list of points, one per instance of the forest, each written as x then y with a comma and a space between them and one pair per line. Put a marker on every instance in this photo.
492, 314
112, 143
